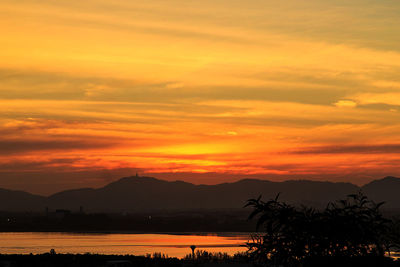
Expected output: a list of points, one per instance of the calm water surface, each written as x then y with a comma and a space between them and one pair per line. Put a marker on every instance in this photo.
174, 245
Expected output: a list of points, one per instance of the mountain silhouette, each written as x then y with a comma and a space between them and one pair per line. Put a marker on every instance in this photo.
385, 190
20, 201
138, 194
145, 193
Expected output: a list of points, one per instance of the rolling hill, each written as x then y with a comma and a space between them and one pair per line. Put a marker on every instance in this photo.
137, 194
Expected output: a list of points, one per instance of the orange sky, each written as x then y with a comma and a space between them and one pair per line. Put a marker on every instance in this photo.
204, 91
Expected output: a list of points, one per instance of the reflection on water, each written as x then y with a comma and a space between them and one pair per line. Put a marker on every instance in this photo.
173, 245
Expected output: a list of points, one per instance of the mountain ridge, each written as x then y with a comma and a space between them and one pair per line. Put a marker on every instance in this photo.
138, 194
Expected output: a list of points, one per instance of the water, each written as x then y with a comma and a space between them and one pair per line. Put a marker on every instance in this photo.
173, 245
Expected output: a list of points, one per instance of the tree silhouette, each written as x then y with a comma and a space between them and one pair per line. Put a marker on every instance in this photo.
193, 247
352, 227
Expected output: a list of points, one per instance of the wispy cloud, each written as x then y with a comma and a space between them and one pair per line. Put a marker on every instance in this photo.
345, 104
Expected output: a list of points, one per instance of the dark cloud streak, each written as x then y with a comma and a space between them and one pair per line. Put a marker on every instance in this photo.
351, 149
8, 147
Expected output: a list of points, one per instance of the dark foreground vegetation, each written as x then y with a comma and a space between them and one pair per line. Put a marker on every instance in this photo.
349, 232
201, 258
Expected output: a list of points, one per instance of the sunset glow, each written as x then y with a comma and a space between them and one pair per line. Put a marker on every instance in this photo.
201, 91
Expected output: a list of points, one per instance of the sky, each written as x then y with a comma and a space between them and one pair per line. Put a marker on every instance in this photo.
204, 91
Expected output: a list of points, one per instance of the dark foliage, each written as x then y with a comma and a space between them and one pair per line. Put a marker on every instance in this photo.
202, 258
352, 228
86, 260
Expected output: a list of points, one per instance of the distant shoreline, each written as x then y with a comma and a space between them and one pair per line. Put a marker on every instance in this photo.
200, 233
